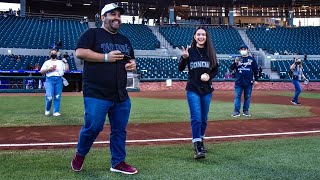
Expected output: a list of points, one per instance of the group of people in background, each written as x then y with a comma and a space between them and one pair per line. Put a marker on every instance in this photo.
10, 12
16, 58
104, 85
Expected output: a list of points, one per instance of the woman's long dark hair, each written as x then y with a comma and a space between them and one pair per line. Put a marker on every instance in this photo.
211, 51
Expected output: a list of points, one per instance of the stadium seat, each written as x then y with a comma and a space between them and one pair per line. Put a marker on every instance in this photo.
34, 33
302, 40
226, 40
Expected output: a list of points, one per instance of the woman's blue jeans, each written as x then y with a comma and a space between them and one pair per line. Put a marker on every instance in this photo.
53, 87
297, 90
199, 108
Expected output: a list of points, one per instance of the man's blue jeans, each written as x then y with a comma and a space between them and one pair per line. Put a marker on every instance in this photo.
95, 116
53, 87
297, 89
199, 108
237, 97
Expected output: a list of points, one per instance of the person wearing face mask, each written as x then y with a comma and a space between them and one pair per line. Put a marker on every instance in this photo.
297, 75
201, 60
246, 75
107, 55
54, 69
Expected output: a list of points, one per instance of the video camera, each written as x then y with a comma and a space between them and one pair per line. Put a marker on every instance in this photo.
297, 61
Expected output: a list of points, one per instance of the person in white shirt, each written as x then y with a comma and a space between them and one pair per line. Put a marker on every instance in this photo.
54, 69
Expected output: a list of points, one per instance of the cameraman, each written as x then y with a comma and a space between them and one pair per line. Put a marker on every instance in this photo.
297, 73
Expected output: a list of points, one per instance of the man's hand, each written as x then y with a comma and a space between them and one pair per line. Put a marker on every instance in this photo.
114, 56
130, 66
255, 83
237, 60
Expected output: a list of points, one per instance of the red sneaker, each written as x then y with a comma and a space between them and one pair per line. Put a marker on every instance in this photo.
124, 168
77, 162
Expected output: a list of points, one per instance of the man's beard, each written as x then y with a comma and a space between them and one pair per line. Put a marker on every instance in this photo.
110, 26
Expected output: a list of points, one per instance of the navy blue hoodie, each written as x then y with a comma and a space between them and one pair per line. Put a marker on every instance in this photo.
198, 63
246, 71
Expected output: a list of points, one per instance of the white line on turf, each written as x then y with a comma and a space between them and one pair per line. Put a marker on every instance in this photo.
162, 140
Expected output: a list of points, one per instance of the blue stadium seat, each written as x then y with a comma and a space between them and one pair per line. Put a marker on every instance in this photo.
302, 40
7, 63
139, 35
311, 68
34, 33
226, 40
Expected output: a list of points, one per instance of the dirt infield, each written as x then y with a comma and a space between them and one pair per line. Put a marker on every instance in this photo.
62, 134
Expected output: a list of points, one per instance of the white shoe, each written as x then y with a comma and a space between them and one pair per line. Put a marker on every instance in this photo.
47, 113
56, 114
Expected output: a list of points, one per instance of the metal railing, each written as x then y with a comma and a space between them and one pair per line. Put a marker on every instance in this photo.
21, 84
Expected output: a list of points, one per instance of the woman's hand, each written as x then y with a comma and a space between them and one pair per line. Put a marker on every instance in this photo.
185, 53
205, 77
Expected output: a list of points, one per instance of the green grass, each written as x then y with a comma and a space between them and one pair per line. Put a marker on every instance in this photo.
29, 111
293, 158
302, 95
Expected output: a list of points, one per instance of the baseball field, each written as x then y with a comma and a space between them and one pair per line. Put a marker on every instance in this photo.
279, 140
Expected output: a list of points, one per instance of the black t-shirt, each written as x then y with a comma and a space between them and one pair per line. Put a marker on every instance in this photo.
198, 63
105, 80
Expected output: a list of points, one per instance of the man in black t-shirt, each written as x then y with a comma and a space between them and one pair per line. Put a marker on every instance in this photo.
107, 55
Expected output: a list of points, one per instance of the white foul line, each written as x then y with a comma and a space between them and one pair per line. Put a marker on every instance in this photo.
161, 140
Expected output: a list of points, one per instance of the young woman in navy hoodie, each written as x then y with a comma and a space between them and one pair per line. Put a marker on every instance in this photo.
201, 60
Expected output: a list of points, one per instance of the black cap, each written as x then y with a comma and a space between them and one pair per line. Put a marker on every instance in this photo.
244, 46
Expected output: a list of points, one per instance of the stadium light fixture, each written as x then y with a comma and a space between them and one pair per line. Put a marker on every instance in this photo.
152, 8
86, 4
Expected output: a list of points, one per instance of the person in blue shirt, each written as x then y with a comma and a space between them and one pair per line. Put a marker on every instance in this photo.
246, 75
201, 61
297, 75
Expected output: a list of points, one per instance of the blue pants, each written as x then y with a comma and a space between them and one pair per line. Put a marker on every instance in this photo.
53, 87
237, 97
297, 89
95, 116
199, 108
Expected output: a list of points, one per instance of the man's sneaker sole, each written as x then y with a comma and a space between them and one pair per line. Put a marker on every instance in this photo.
295, 103
56, 114
248, 115
238, 115
124, 172
75, 170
